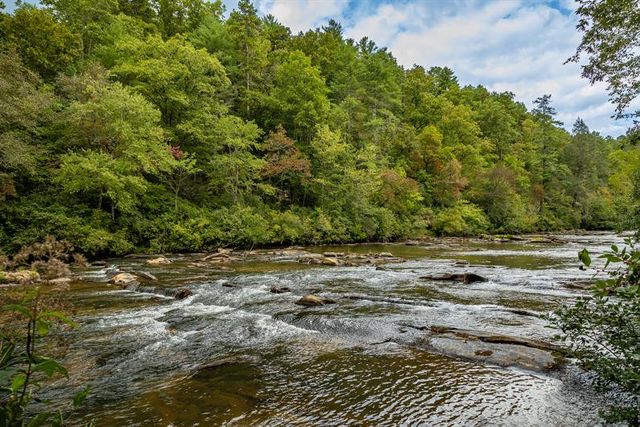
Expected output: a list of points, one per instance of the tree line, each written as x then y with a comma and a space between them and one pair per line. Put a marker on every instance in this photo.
166, 125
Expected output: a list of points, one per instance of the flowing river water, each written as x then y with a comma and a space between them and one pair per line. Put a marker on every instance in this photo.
234, 353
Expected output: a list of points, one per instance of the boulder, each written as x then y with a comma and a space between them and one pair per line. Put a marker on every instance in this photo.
330, 261
385, 255
314, 300
182, 293
159, 261
457, 277
123, 279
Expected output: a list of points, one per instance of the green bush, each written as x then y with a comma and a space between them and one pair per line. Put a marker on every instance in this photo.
462, 219
603, 331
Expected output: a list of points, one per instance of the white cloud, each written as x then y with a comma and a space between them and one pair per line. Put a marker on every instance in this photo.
512, 46
300, 15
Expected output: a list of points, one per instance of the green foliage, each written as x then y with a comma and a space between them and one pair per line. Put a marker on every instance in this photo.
462, 219
22, 366
25, 108
603, 331
166, 125
610, 43
173, 75
45, 45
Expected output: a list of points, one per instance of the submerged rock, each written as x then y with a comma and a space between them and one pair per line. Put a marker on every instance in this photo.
333, 254
226, 361
59, 281
501, 350
159, 261
182, 293
578, 284
146, 275
314, 300
276, 290
457, 277
337, 259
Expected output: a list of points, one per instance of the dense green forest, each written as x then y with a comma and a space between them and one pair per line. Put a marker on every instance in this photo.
168, 125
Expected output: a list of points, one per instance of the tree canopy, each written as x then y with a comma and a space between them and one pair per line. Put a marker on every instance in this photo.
170, 125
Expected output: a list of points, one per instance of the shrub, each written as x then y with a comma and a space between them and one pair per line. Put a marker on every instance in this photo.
603, 331
462, 219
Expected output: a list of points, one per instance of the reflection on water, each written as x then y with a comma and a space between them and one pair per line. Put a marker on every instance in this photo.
362, 361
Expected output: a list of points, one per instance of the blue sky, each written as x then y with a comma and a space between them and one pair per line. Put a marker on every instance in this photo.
505, 45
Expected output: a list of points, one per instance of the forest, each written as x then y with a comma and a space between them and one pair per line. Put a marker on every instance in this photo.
172, 125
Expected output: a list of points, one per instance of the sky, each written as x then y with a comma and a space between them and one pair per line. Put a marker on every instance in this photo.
505, 45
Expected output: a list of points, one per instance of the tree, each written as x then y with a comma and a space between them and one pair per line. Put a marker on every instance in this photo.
611, 44
586, 156
181, 16
88, 18
120, 140
141, 9
25, 108
278, 35
298, 98
249, 56
184, 168
550, 141
286, 167
176, 77
46, 46
234, 169
444, 79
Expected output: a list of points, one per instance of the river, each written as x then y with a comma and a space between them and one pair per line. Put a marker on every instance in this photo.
368, 359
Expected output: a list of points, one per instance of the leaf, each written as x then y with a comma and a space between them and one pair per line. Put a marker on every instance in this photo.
610, 258
584, 257
17, 308
42, 328
59, 316
49, 367
18, 382
81, 396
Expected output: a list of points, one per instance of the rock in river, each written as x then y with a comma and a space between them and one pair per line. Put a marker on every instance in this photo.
457, 277
277, 290
159, 261
501, 350
123, 279
330, 261
314, 300
182, 293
